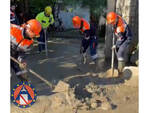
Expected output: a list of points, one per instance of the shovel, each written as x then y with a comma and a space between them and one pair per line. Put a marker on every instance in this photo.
113, 54
46, 51
35, 74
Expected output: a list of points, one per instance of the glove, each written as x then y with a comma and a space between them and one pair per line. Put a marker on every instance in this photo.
81, 50
87, 38
23, 65
44, 29
113, 47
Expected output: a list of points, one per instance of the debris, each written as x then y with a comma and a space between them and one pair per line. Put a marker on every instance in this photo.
57, 100
85, 106
105, 106
131, 76
61, 87
131, 70
94, 105
127, 98
92, 88
101, 75
113, 106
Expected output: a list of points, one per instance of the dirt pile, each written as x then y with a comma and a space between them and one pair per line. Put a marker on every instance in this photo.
96, 97
87, 97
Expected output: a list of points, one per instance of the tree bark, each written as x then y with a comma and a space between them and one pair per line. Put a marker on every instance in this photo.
108, 36
26, 6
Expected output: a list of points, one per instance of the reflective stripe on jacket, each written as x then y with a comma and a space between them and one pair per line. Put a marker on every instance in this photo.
17, 38
84, 25
122, 31
44, 20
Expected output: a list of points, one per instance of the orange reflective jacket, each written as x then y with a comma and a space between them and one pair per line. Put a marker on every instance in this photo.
120, 25
84, 25
17, 37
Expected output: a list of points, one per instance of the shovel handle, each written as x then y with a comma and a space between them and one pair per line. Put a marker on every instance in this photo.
35, 74
113, 54
46, 51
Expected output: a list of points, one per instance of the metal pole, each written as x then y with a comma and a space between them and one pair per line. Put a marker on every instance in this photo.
46, 51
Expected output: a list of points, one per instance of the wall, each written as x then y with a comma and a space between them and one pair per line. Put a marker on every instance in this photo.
67, 16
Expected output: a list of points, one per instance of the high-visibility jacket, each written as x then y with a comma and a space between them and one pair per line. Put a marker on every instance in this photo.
120, 25
44, 20
87, 29
84, 25
122, 31
17, 38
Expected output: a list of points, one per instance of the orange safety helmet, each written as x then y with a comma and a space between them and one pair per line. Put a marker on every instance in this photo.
111, 17
76, 20
34, 27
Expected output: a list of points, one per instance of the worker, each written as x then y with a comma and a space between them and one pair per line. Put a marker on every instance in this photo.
123, 35
21, 40
89, 39
46, 19
13, 16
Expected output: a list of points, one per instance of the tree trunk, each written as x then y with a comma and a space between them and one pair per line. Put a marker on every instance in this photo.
26, 6
108, 36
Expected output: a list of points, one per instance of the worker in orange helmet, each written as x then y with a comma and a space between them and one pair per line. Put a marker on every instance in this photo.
124, 37
89, 39
21, 40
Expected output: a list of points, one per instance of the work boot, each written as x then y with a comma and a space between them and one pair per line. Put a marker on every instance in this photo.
84, 59
121, 65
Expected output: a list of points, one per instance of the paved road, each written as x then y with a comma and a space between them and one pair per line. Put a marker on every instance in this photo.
63, 61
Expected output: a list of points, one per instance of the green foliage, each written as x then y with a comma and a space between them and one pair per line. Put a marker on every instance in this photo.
37, 6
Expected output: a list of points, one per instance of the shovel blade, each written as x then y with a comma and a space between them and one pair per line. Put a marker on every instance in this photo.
109, 73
